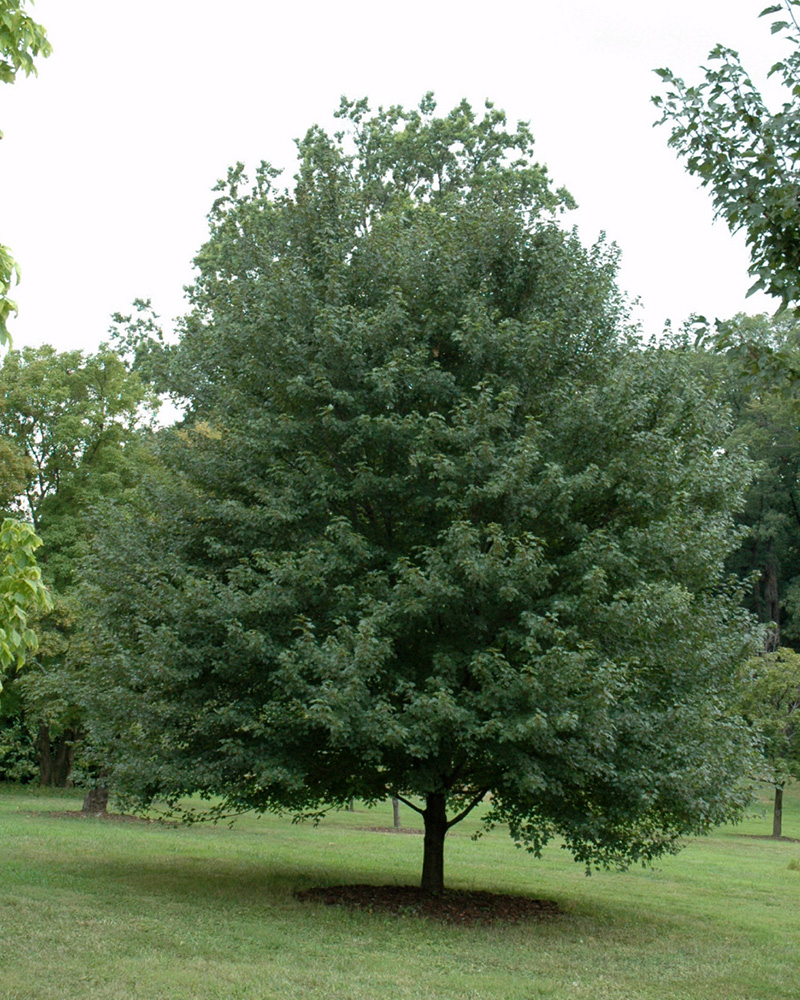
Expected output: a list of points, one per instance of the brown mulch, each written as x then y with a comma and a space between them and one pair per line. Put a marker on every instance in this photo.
768, 836
109, 817
454, 907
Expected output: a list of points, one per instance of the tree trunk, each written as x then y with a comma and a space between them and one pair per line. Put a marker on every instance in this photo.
45, 755
435, 817
96, 801
396, 813
351, 807
772, 607
56, 757
777, 812
65, 758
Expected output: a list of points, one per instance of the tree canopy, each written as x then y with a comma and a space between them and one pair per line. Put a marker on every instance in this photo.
435, 526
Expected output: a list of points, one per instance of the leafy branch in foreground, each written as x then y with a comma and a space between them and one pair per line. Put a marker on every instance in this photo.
21, 589
746, 153
21, 40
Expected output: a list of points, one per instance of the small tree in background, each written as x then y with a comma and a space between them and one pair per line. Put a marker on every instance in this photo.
770, 686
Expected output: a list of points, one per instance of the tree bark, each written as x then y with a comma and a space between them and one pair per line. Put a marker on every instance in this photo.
396, 813
45, 755
56, 757
771, 603
777, 812
435, 817
96, 801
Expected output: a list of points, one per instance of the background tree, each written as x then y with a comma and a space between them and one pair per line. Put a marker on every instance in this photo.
73, 419
745, 153
434, 526
770, 686
765, 422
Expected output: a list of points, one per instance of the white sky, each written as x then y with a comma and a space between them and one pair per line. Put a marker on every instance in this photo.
110, 154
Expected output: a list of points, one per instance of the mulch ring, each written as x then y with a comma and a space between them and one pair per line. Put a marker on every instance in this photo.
107, 817
454, 907
767, 836
391, 829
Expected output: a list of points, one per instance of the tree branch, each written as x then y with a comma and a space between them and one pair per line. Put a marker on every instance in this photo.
465, 812
788, 7
405, 802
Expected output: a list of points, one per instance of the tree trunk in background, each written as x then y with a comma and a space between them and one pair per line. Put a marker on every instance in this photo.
765, 596
352, 806
396, 813
45, 754
772, 602
777, 812
435, 817
96, 801
56, 757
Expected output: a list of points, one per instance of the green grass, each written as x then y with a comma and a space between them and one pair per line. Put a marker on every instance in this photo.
92, 910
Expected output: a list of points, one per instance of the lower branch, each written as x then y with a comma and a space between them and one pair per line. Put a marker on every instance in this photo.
465, 812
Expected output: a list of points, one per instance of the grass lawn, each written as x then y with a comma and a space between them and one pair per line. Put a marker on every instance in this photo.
92, 909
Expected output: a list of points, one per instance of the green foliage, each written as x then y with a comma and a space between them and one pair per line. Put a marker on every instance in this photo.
17, 744
745, 153
770, 693
753, 366
21, 40
139, 340
21, 589
9, 276
15, 472
434, 525
70, 423
72, 416
762, 352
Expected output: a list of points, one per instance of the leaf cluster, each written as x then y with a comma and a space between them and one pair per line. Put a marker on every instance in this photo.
21, 41
21, 589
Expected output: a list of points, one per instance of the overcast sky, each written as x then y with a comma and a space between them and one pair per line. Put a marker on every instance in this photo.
110, 155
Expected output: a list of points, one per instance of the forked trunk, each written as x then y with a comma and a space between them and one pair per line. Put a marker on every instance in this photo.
777, 812
56, 757
435, 817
